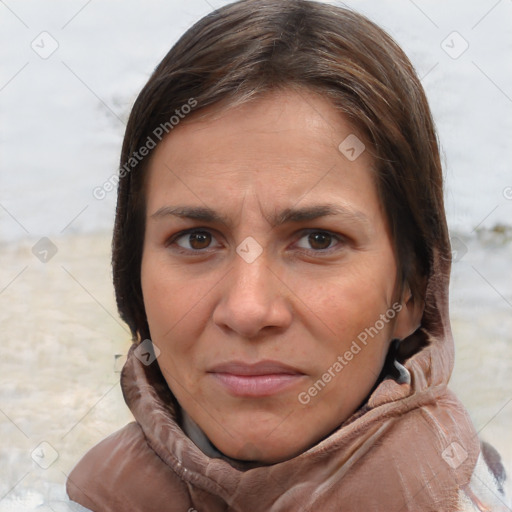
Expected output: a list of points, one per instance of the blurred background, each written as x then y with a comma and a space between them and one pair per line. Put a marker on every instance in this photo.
69, 73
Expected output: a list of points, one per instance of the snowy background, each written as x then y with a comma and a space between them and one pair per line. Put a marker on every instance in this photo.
69, 73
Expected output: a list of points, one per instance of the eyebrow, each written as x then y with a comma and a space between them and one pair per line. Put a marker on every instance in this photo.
315, 212
288, 215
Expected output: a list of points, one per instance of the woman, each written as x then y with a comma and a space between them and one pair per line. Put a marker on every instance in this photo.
281, 239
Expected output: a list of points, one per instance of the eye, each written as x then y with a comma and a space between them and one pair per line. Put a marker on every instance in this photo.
195, 240
318, 241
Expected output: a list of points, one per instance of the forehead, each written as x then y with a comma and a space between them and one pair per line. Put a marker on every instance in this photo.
286, 147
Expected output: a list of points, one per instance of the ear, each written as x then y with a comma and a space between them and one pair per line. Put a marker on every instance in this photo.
409, 316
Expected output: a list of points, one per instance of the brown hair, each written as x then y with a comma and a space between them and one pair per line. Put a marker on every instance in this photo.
251, 47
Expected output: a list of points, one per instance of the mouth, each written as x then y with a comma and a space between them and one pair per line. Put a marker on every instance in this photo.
261, 379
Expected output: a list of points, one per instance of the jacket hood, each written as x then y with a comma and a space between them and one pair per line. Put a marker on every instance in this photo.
410, 447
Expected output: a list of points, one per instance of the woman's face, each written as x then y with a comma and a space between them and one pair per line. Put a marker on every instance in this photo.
268, 273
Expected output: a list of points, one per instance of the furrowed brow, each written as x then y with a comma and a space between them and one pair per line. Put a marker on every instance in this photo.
289, 215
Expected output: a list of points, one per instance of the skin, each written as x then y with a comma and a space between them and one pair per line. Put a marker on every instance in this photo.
301, 302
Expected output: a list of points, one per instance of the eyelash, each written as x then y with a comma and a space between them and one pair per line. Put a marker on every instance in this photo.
336, 238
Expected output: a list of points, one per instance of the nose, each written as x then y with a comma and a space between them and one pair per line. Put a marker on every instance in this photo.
253, 301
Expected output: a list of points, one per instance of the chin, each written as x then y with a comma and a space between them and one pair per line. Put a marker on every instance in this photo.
265, 447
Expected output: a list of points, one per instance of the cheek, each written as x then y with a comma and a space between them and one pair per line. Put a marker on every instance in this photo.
349, 300
354, 347
174, 310
344, 317
170, 300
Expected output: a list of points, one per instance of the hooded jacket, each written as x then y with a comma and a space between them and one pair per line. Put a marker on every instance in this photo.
410, 447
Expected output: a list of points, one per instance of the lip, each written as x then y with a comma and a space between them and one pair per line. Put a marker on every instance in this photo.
264, 378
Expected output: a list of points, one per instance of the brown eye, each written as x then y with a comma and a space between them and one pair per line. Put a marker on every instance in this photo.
196, 240
317, 241
200, 240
